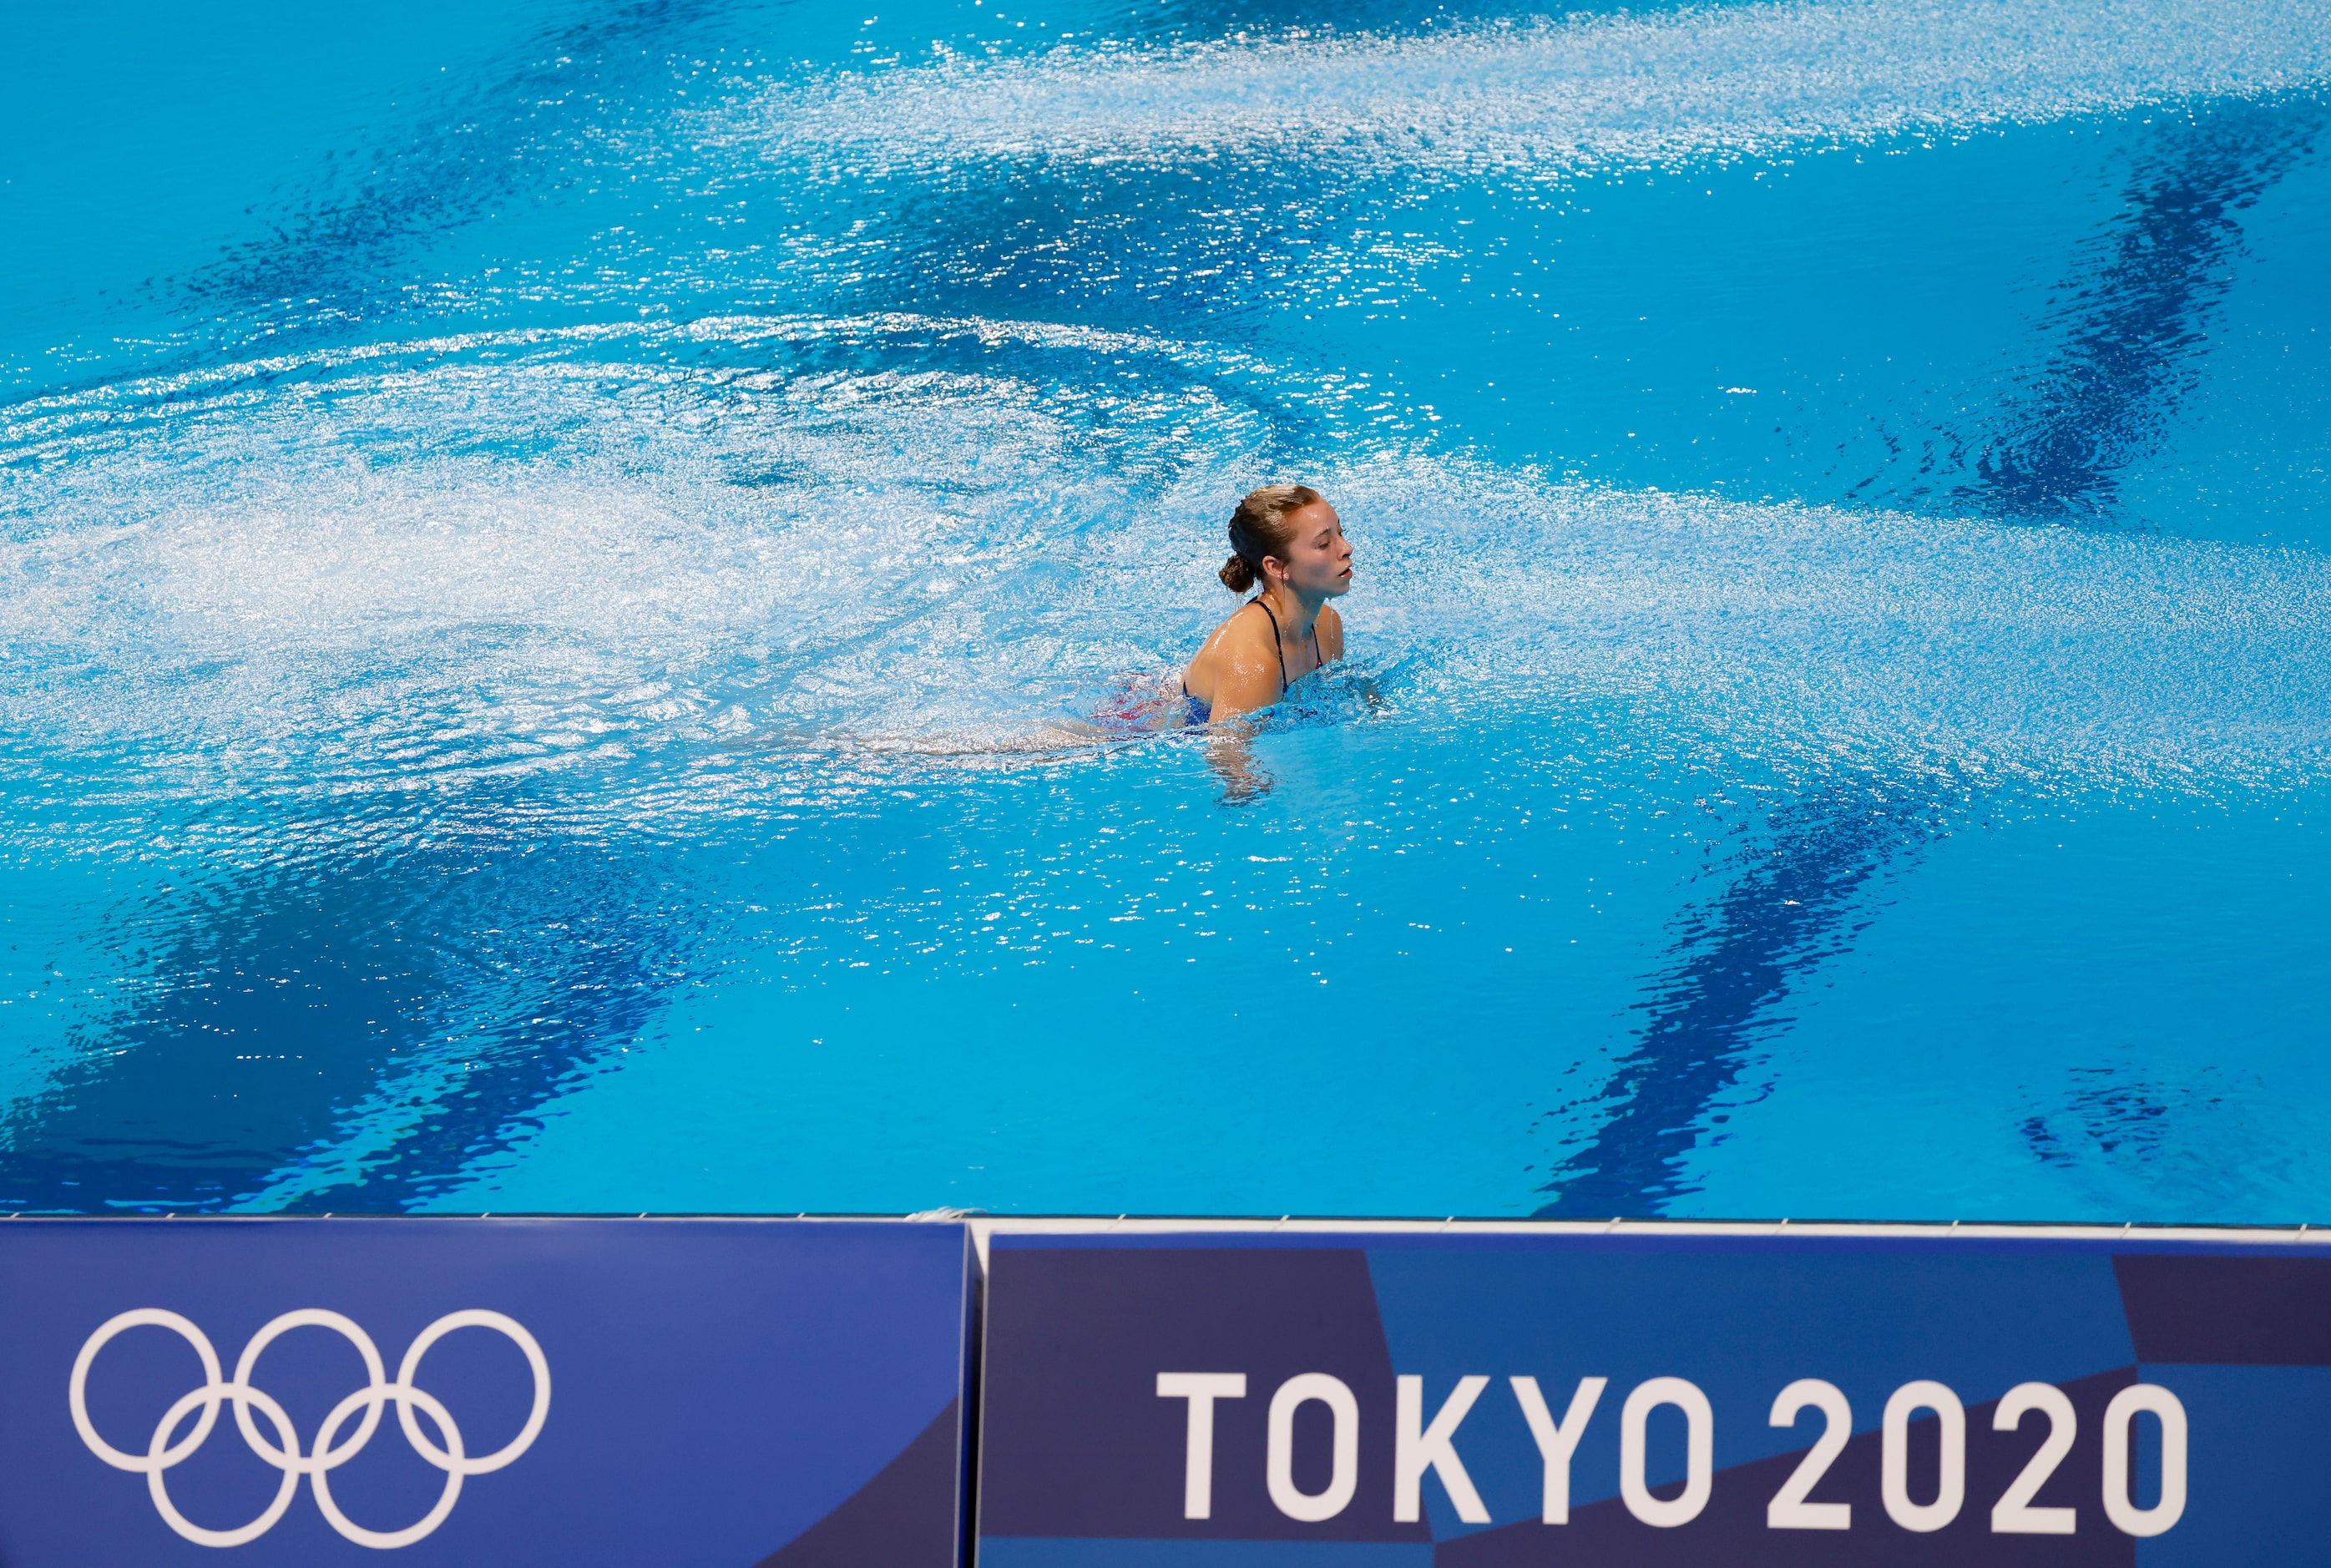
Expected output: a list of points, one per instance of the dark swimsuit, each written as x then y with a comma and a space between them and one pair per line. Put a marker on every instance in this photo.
1196, 712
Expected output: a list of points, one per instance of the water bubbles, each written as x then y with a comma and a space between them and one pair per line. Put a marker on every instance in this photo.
604, 559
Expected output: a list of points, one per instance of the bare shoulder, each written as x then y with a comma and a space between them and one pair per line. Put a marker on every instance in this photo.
1331, 632
1236, 671
1239, 633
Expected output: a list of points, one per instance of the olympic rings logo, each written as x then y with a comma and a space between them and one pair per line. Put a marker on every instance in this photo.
327, 1455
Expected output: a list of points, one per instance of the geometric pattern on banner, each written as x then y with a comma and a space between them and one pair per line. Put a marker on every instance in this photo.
1213, 1400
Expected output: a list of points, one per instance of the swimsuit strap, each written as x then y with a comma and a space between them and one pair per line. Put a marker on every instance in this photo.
1276, 645
1280, 648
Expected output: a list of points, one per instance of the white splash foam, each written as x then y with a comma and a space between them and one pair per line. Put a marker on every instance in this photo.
1548, 95
399, 570
341, 586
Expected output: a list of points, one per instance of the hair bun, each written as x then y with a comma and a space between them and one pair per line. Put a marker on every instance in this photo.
1260, 530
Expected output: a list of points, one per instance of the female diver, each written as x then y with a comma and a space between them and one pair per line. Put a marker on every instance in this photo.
1290, 541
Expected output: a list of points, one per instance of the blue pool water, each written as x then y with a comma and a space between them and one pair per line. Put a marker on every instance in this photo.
556, 562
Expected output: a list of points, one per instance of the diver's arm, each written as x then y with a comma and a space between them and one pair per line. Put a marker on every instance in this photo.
1233, 760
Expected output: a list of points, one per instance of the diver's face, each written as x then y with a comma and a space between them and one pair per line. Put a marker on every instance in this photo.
1318, 558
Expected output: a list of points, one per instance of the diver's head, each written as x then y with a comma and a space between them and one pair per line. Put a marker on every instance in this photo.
1289, 536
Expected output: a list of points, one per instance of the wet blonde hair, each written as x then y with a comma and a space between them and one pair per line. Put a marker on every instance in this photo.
1260, 529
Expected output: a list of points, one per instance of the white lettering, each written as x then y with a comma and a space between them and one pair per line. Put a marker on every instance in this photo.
1434, 1448
2013, 1514
1201, 1389
2123, 1511
1699, 1452
1555, 1444
1894, 1459
1312, 1507
1788, 1510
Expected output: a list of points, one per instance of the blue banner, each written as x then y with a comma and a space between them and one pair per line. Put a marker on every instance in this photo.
482, 1391
1491, 1400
